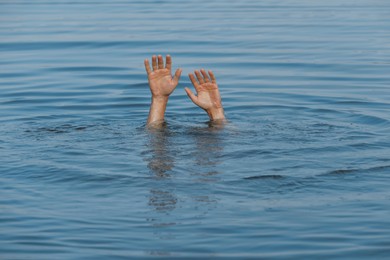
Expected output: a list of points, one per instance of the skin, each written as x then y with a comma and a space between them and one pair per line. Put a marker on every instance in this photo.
208, 97
161, 84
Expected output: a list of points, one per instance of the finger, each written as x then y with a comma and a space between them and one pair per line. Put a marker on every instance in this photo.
160, 62
176, 78
154, 62
168, 61
205, 76
199, 77
147, 66
212, 77
191, 95
194, 81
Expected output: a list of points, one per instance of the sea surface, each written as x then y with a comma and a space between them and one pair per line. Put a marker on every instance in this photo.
301, 170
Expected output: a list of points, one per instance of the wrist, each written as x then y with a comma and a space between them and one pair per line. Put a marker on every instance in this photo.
160, 99
216, 114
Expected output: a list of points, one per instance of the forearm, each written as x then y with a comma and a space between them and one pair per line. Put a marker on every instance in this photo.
216, 114
157, 110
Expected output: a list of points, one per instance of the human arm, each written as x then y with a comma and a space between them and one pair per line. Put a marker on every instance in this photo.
208, 97
161, 84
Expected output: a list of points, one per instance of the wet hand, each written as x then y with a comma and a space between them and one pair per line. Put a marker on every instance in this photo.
161, 82
208, 96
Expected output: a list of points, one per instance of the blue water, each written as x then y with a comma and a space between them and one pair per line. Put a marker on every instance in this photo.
301, 171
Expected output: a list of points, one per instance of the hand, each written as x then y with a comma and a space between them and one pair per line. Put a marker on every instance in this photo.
161, 82
208, 97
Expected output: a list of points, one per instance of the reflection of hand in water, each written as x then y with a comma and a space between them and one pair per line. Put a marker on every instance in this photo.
209, 148
161, 161
204, 155
162, 200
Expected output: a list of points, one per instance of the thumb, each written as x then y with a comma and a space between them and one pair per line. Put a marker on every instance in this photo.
177, 76
191, 95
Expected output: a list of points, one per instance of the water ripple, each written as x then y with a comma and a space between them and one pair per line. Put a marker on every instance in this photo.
299, 171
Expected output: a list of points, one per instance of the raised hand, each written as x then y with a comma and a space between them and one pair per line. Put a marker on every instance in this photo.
161, 84
208, 97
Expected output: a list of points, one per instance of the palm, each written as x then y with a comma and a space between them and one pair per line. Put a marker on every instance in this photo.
208, 96
161, 82
206, 87
160, 78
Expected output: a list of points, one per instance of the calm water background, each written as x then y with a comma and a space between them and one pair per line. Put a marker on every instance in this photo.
301, 170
